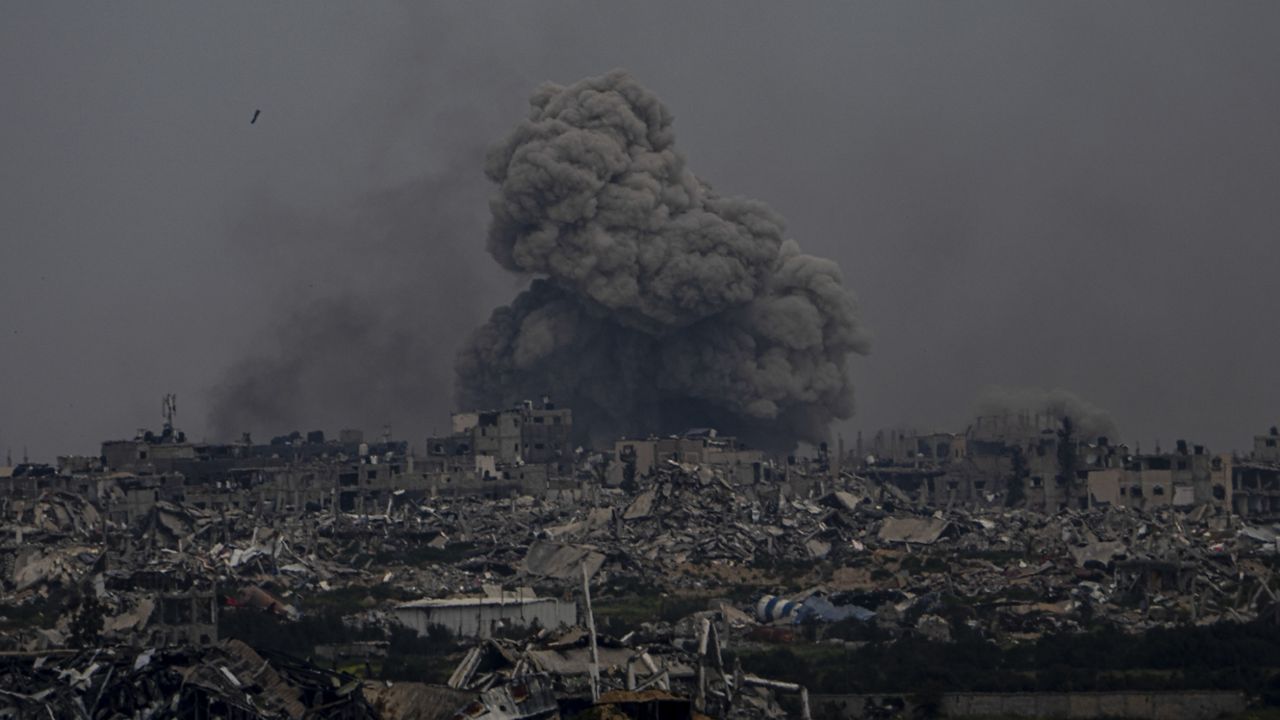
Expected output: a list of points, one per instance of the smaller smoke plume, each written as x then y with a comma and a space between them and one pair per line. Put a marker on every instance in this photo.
369, 344
337, 362
1089, 420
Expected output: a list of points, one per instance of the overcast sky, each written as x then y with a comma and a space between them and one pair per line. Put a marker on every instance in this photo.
1075, 195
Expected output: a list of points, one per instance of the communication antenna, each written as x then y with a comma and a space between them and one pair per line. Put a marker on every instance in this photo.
169, 409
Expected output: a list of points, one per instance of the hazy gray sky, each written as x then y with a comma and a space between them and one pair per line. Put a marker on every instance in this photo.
1076, 195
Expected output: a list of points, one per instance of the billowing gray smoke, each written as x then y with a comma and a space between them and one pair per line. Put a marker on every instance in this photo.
1089, 420
363, 348
658, 304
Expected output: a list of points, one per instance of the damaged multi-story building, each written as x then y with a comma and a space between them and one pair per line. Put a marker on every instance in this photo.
191, 548
293, 473
1035, 461
639, 459
1187, 477
1254, 489
524, 449
1038, 462
1024, 459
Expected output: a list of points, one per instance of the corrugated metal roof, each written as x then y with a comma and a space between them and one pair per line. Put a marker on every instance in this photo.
471, 602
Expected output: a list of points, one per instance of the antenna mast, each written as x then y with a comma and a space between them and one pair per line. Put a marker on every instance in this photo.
169, 409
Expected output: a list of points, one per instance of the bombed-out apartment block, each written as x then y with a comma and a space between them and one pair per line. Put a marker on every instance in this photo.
638, 460
234, 477
292, 474
1037, 462
1190, 476
1266, 448
523, 449
1024, 459
171, 543
1185, 478
172, 608
1254, 490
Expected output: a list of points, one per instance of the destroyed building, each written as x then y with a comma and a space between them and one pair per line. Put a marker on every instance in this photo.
1035, 461
695, 544
1254, 489
1185, 478
225, 680
1266, 448
639, 459
170, 608
522, 449
291, 474
1028, 459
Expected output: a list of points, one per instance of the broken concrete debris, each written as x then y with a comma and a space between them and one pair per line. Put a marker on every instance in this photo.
922, 531
118, 586
228, 679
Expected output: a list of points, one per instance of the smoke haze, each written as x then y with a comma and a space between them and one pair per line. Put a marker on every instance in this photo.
1089, 421
361, 345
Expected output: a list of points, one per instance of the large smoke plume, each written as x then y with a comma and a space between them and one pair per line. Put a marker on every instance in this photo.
658, 304
1089, 421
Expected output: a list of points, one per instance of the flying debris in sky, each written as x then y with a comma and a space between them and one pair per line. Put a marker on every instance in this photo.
256, 113
658, 304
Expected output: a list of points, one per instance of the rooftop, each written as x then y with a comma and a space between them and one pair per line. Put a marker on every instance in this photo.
472, 602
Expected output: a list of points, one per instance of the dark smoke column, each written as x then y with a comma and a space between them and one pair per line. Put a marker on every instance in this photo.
658, 304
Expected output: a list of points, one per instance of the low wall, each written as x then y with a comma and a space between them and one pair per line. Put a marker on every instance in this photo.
1189, 705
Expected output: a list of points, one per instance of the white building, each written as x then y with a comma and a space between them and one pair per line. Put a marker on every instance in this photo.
481, 616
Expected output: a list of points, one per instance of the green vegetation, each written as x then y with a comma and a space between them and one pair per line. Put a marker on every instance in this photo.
1226, 656
409, 657
430, 659
299, 637
351, 599
620, 615
787, 571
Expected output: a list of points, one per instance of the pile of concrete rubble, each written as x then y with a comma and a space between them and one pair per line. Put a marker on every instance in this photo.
227, 680
765, 559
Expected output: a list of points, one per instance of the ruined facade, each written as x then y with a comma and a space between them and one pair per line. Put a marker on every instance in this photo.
1036, 462
525, 449
637, 460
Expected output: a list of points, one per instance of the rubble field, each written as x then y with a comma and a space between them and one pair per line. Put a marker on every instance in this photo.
706, 596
